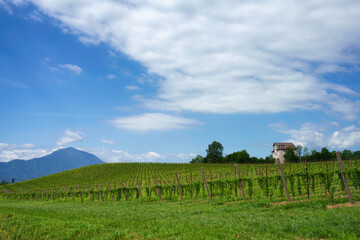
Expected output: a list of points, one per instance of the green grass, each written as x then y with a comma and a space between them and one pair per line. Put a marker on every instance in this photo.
176, 220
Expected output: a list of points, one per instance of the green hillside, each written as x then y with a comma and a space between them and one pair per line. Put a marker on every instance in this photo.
129, 181
61, 206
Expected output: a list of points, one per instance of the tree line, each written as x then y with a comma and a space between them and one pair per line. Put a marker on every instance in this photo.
300, 154
214, 154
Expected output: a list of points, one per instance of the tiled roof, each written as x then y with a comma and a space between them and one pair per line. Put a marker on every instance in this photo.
284, 146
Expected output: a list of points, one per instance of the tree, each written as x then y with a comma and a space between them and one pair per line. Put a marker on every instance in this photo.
214, 153
306, 152
299, 149
290, 155
270, 159
197, 159
325, 154
238, 157
346, 154
315, 155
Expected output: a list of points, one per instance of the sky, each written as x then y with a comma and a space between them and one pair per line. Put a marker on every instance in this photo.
158, 81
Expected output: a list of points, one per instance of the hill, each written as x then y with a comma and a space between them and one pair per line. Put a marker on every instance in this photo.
58, 161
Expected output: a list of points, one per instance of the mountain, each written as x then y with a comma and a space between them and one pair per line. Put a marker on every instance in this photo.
58, 161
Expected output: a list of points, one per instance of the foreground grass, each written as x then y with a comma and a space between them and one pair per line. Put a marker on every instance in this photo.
173, 220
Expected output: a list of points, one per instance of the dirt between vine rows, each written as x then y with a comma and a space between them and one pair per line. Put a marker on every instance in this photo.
341, 205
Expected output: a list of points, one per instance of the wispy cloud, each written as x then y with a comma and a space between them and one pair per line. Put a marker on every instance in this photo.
132, 88
26, 151
11, 83
107, 141
70, 136
152, 121
71, 67
114, 155
111, 76
228, 56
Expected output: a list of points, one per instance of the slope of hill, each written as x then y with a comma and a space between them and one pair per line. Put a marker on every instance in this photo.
58, 161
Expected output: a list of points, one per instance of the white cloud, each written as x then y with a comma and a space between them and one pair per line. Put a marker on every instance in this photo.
113, 155
6, 6
132, 88
345, 138
69, 137
107, 141
6, 146
26, 151
71, 67
36, 16
228, 56
330, 68
111, 76
316, 137
152, 121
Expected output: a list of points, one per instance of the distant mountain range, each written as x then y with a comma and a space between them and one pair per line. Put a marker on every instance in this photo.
58, 161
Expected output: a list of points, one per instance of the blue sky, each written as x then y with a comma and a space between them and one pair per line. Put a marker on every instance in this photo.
146, 81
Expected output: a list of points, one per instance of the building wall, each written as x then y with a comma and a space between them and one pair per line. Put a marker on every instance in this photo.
279, 155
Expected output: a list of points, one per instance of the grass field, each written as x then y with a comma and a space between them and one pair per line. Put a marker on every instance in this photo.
54, 207
174, 220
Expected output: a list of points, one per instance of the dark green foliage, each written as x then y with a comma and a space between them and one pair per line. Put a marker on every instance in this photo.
214, 153
238, 157
325, 154
290, 155
197, 159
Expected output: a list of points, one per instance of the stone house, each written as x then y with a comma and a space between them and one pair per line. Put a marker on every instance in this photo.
279, 151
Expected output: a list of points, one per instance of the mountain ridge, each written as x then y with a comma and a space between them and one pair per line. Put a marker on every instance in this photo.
57, 161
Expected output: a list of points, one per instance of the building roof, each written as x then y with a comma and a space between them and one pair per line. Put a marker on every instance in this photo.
284, 146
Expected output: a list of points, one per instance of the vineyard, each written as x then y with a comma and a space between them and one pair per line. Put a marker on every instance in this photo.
189, 182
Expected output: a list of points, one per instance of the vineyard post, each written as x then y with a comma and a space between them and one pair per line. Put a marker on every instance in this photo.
290, 167
72, 194
191, 178
326, 165
80, 193
137, 180
266, 174
236, 194
100, 192
283, 180
307, 179
240, 182
157, 187
112, 197
65, 193
89, 192
178, 182
53, 195
207, 189
344, 177
122, 183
